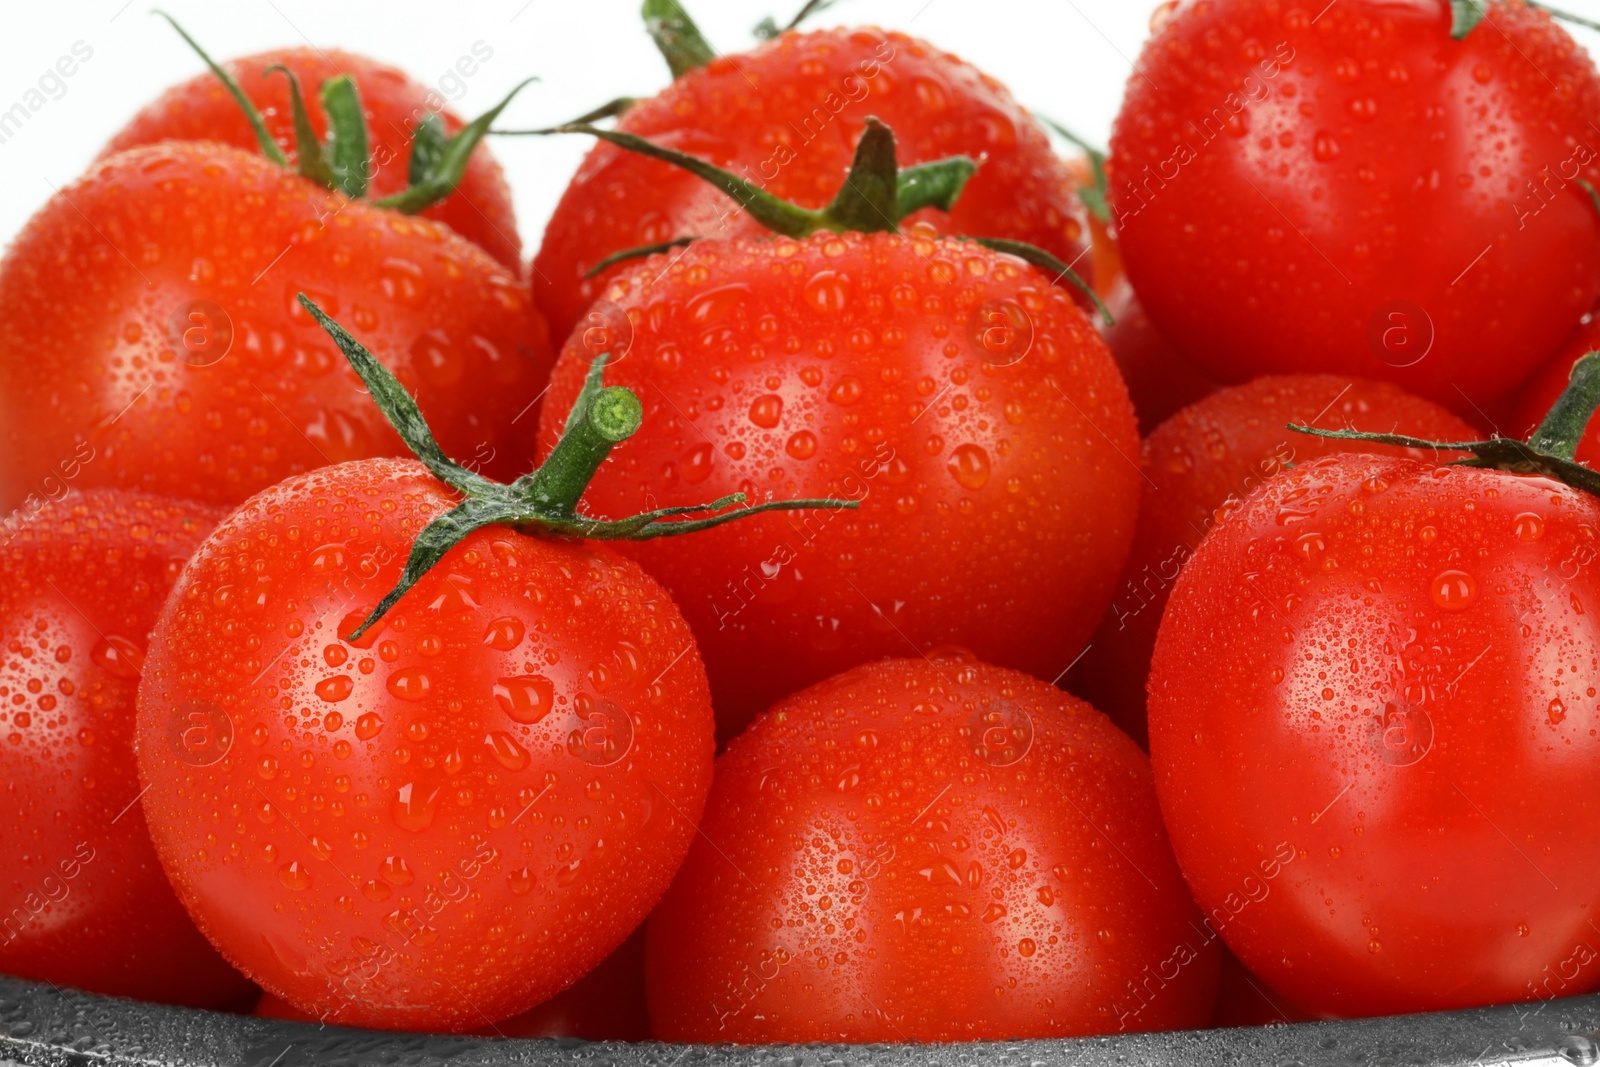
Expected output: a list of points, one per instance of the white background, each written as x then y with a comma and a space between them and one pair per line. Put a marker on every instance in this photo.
1065, 58
1050, 52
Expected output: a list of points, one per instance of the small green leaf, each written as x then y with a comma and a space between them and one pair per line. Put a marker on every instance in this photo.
399, 408
427, 146
435, 541
768, 27
938, 184
677, 38
637, 253
869, 199
309, 160
451, 163
269, 147
1095, 196
347, 153
1465, 16
1045, 261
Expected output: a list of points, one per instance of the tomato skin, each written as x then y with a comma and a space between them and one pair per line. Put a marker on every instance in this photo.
81, 581
756, 114
201, 109
997, 502
1541, 392
195, 373
1367, 664
607, 1004
452, 820
1161, 380
1372, 160
1204, 461
952, 886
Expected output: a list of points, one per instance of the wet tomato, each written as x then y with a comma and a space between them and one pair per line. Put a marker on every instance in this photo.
966, 402
148, 314
81, 582
201, 109
1206, 460
1360, 193
787, 116
1384, 668
453, 818
923, 850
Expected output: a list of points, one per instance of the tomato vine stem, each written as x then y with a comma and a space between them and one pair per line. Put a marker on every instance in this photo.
545, 501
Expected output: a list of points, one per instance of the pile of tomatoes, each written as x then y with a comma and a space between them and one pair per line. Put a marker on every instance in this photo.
376, 604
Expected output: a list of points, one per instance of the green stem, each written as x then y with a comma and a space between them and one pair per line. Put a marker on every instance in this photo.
676, 36
1095, 197
1558, 435
1465, 16
1563, 15
450, 164
637, 253
613, 416
309, 160
427, 148
269, 147
869, 200
348, 157
768, 27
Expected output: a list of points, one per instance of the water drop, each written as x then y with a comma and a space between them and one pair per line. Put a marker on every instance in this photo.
526, 698
336, 688
969, 465
1454, 590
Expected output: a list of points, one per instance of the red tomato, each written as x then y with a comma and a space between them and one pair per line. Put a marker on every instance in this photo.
928, 851
201, 109
1244, 1000
787, 116
453, 819
1204, 461
607, 1004
1382, 669
1161, 380
81, 581
154, 300
1542, 391
1351, 191
965, 401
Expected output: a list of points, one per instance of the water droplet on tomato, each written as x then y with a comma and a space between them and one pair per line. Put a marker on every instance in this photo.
1026, 946
118, 657
1557, 711
1454, 590
802, 445
969, 465
414, 806
510, 755
410, 684
368, 726
396, 871
846, 391
526, 698
504, 633
521, 881
827, 291
1528, 526
696, 466
336, 688
766, 411
294, 876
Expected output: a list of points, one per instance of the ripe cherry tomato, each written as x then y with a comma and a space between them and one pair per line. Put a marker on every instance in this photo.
1161, 379
1355, 192
201, 109
1542, 391
450, 820
1203, 462
86, 904
787, 116
148, 314
923, 850
965, 401
607, 1004
1383, 669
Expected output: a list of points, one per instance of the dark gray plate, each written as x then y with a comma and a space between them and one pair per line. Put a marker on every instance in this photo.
45, 1027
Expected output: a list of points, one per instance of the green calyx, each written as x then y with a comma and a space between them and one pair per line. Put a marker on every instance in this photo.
1548, 452
1095, 197
545, 501
678, 39
1466, 14
768, 27
344, 162
875, 197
